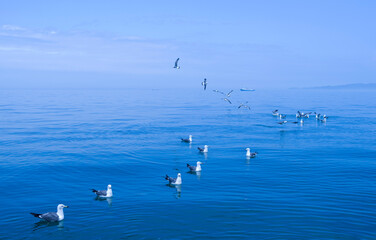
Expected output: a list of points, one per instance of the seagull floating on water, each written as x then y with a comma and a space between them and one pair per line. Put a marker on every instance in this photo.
52, 216
188, 140
324, 117
317, 115
250, 154
205, 150
283, 122
174, 181
282, 116
196, 168
104, 193
204, 83
275, 112
176, 64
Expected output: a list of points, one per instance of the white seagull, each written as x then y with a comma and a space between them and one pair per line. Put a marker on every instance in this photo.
204, 150
196, 168
104, 193
250, 154
52, 216
188, 140
174, 181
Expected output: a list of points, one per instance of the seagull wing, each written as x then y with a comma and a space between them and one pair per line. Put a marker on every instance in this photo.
50, 217
176, 63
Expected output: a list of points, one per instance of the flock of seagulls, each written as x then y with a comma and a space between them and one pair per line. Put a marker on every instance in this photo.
103, 194
226, 97
195, 169
300, 116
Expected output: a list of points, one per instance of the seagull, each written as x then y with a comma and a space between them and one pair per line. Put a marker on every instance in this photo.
204, 83
205, 150
227, 100
229, 93
317, 115
282, 116
174, 181
294, 122
52, 216
299, 114
324, 117
275, 112
245, 106
250, 154
283, 122
176, 64
188, 140
104, 193
217, 91
195, 168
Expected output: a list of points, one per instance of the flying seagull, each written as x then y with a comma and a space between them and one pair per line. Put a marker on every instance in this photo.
227, 100
176, 64
204, 83
196, 168
250, 154
215, 90
245, 106
174, 181
229, 93
188, 140
104, 193
52, 216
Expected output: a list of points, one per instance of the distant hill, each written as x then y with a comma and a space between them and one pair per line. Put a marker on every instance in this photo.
347, 86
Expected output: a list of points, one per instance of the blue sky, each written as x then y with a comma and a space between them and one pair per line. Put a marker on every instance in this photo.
256, 44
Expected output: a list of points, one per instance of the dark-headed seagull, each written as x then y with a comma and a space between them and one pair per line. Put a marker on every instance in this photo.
52, 216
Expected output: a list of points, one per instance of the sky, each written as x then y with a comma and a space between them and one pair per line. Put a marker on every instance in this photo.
254, 44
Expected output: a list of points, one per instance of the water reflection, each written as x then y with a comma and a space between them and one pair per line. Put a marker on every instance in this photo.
43, 224
109, 200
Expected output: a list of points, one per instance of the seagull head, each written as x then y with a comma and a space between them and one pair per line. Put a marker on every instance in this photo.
248, 149
199, 163
109, 186
179, 175
61, 206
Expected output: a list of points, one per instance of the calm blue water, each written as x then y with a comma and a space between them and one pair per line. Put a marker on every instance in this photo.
315, 181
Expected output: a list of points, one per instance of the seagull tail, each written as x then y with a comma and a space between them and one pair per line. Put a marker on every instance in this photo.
188, 165
94, 190
37, 215
200, 149
167, 177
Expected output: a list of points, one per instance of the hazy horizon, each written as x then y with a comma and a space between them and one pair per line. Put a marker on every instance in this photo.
256, 45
